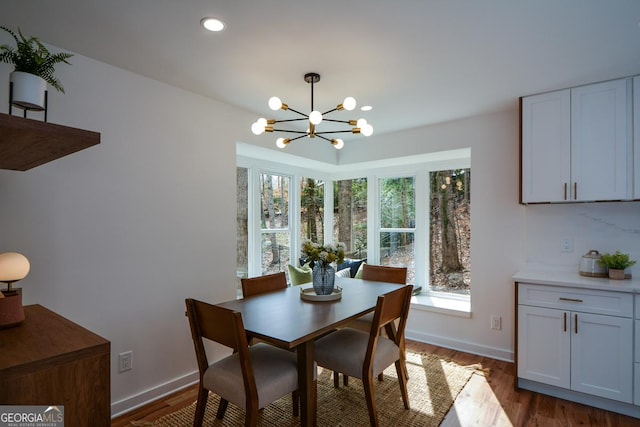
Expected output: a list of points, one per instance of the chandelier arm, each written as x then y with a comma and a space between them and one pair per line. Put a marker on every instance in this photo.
333, 131
289, 120
320, 136
329, 111
336, 121
291, 131
298, 137
298, 112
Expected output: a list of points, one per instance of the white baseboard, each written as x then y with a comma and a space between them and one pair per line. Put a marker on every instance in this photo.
466, 346
132, 402
137, 400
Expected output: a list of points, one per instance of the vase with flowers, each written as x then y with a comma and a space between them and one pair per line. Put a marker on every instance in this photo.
320, 258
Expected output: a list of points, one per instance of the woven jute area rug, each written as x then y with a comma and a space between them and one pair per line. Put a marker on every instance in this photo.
434, 383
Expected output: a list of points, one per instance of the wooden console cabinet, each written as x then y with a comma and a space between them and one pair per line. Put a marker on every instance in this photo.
49, 360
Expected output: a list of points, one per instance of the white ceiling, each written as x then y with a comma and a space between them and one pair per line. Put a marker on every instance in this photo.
417, 62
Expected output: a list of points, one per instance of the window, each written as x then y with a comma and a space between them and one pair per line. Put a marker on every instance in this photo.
397, 213
312, 210
415, 215
274, 223
450, 231
350, 216
242, 222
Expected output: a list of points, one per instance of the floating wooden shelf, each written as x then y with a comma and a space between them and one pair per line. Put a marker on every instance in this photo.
27, 143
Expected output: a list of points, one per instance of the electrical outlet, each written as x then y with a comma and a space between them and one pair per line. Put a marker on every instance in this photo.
567, 244
125, 361
496, 322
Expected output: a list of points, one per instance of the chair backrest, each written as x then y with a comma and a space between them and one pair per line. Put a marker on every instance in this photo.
223, 326
389, 307
261, 284
380, 273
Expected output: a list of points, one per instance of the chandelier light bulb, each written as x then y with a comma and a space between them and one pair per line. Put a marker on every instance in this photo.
349, 103
281, 142
258, 126
361, 123
338, 143
275, 103
315, 117
367, 130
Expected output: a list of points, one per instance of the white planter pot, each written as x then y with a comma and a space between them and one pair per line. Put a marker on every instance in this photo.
28, 90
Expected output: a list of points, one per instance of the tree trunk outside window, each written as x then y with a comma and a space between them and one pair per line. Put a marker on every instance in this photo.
344, 201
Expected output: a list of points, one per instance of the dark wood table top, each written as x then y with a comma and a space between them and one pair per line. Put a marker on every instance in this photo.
45, 336
285, 319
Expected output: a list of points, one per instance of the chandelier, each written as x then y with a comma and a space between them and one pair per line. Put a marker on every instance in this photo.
314, 118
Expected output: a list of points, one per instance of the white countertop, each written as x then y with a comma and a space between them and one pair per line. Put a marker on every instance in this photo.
574, 279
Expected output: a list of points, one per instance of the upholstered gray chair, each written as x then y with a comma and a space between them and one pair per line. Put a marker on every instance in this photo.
251, 377
366, 355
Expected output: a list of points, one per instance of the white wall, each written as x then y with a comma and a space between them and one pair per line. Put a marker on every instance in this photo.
497, 224
605, 227
119, 234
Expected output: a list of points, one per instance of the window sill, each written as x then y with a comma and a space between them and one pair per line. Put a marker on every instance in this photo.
453, 306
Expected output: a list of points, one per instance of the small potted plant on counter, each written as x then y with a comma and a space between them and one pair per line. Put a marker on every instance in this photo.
34, 68
616, 264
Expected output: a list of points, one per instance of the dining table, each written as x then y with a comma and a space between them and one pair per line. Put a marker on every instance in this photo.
283, 318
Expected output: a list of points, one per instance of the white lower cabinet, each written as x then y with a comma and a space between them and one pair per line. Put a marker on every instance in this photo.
565, 340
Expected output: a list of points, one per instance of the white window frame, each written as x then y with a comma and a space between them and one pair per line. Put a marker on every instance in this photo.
419, 167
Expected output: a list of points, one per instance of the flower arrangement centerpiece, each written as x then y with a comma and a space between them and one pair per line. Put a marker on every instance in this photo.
320, 258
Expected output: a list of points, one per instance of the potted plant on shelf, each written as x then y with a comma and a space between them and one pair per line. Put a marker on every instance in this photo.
616, 263
34, 68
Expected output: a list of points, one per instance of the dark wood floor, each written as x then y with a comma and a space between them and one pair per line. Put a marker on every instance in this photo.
490, 401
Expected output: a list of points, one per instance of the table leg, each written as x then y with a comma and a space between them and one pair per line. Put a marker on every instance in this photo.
307, 384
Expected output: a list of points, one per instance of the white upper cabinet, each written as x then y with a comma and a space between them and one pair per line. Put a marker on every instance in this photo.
546, 147
601, 160
577, 145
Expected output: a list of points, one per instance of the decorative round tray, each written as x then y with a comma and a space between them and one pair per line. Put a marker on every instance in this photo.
309, 294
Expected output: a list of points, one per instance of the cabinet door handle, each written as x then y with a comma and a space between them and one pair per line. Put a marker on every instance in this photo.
575, 191
575, 325
565, 322
565, 191
570, 299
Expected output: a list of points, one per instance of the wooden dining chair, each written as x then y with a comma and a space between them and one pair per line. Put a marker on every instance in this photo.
377, 273
251, 377
261, 284
383, 273
366, 355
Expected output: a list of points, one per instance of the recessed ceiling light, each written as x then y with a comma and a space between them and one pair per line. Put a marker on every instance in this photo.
366, 108
212, 24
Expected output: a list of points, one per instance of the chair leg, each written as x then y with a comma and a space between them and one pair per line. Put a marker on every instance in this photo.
345, 379
380, 376
251, 416
295, 401
369, 395
402, 381
222, 408
203, 394
336, 379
